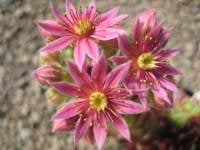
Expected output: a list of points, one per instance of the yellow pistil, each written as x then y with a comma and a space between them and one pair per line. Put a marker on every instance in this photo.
146, 61
98, 101
82, 27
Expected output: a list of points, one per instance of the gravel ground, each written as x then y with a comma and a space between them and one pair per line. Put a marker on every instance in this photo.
24, 113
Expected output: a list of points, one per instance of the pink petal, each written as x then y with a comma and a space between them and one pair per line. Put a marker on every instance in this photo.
67, 88
168, 69
168, 84
58, 44
104, 34
148, 18
43, 32
92, 4
60, 17
156, 30
128, 107
89, 136
119, 59
137, 31
79, 54
90, 12
69, 6
109, 14
125, 46
82, 126
99, 71
161, 93
53, 28
169, 53
80, 78
112, 21
69, 110
120, 124
64, 125
116, 75
91, 48
99, 131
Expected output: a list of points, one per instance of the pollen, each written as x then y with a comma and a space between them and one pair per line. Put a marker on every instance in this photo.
83, 27
146, 61
98, 101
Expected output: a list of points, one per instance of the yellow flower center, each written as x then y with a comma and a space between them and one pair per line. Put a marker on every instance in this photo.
146, 61
98, 101
83, 27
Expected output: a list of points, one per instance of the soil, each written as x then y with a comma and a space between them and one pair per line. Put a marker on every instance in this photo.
24, 112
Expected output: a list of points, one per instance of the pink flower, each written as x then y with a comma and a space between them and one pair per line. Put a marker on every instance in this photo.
82, 28
48, 73
99, 100
150, 67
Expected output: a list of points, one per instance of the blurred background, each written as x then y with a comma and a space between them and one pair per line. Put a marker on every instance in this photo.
24, 112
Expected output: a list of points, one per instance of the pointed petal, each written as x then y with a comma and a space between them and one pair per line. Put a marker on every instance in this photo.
160, 92
99, 70
169, 53
67, 88
69, 6
128, 107
91, 48
69, 110
156, 30
124, 45
168, 84
116, 75
121, 125
99, 131
92, 4
82, 126
168, 69
109, 14
119, 59
137, 31
60, 17
80, 78
113, 21
79, 54
58, 44
63, 124
53, 28
104, 34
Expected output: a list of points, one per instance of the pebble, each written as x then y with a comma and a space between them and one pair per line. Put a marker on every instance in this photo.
25, 133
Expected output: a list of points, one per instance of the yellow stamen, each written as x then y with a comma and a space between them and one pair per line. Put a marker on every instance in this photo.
98, 101
146, 61
82, 27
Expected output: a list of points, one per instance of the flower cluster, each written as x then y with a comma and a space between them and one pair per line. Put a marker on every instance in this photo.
95, 94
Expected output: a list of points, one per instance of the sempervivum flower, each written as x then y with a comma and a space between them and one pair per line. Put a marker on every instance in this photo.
82, 28
150, 67
99, 100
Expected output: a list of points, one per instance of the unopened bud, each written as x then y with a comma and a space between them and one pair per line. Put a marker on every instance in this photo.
50, 57
148, 20
48, 73
54, 97
68, 52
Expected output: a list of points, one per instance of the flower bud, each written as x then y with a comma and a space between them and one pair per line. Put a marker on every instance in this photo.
147, 20
54, 97
48, 73
50, 57
68, 52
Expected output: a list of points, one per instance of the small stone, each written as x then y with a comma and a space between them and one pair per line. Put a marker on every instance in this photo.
25, 134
